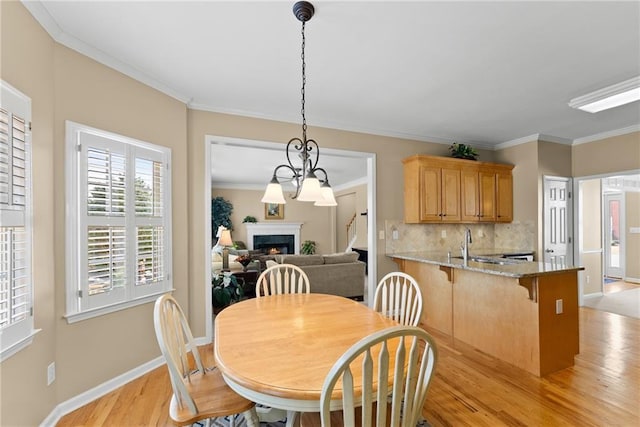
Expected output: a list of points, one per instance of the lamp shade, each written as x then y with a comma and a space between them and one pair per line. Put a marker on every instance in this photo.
273, 193
310, 191
327, 197
225, 238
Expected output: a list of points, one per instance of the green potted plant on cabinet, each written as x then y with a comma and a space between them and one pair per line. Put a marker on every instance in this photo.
462, 151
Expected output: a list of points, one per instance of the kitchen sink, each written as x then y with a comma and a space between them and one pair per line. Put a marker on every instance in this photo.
488, 260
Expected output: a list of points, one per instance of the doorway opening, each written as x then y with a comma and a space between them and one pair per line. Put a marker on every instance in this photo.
608, 233
237, 159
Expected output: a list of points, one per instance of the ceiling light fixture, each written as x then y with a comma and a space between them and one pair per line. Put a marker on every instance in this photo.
609, 97
309, 188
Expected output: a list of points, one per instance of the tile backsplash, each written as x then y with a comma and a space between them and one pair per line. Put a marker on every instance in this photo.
449, 237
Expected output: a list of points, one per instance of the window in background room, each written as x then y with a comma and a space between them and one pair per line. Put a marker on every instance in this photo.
118, 221
16, 284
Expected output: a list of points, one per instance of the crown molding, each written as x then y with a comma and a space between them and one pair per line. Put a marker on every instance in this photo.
609, 134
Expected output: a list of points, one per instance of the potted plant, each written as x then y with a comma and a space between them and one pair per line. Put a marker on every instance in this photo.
308, 247
249, 218
462, 151
225, 290
221, 214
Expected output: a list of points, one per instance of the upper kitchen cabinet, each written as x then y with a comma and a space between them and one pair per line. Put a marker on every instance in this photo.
431, 190
442, 189
504, 195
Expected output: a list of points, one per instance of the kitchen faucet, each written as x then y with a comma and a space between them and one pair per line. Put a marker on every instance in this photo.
465, 245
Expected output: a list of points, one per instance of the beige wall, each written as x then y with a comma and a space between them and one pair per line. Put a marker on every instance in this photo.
632, 240
316, 220
92, 94
610, 155
25, 398
590, 230
89, 352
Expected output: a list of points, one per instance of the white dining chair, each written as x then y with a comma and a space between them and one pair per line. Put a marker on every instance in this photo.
282, 279
198, 393
398, 297
399, 378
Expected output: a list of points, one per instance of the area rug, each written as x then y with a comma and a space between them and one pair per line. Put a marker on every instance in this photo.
626, 303
241, 422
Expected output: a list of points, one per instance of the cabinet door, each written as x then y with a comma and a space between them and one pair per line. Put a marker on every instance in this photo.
450, 195
504, 197
487, 211
430, 194
470, 189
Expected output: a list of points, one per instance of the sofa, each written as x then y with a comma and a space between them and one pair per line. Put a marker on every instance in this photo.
336, 274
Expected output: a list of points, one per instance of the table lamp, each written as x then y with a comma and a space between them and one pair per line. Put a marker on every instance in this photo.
225, 241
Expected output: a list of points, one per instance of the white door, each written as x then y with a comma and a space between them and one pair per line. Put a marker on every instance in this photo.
613, 238
558, 247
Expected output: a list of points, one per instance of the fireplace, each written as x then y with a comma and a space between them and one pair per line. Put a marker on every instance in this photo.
273, 244
283, 236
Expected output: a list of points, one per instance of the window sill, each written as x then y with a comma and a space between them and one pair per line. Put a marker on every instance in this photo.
96, 312
25, 342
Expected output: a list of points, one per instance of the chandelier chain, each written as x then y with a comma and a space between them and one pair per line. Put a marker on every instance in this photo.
304, 82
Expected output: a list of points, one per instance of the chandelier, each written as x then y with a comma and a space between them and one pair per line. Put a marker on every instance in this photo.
304, 152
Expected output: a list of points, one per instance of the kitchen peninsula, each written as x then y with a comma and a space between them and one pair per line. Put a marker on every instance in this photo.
525, 313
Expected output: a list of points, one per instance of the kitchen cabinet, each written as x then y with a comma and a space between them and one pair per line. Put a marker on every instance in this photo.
504, 196
509, 312
441, 189
431, 192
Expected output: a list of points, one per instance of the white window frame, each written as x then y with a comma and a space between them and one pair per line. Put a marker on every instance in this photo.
79, 304
19, 334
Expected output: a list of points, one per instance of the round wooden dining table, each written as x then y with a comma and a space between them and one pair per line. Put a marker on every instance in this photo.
277, 350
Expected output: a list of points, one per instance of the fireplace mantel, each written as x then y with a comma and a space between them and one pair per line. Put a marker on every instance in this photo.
268, 228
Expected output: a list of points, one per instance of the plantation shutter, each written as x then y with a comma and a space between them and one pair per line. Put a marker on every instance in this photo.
104, 271
118, 254
16, 317
149, 219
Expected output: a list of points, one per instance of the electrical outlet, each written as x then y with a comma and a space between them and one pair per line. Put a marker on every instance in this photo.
51, 373
443, 234
381, 234
558, 306
587, 279
394, 234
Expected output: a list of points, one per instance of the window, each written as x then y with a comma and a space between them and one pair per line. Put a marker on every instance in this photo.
118, 222
16, 284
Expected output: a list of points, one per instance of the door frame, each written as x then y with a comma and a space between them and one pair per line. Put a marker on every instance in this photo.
577, 243
371, 219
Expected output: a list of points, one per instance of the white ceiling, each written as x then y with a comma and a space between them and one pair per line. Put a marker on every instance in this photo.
484, 73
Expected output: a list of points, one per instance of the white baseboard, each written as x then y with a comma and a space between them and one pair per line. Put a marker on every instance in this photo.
632, 279
593, 295
96, 392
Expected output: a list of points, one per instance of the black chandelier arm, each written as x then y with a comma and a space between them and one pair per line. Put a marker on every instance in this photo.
291, 168
324, 172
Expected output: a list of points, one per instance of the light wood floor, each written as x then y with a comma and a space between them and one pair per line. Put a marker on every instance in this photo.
469, 388
619, 286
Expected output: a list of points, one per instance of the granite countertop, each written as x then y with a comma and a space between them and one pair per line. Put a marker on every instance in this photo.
494, 265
